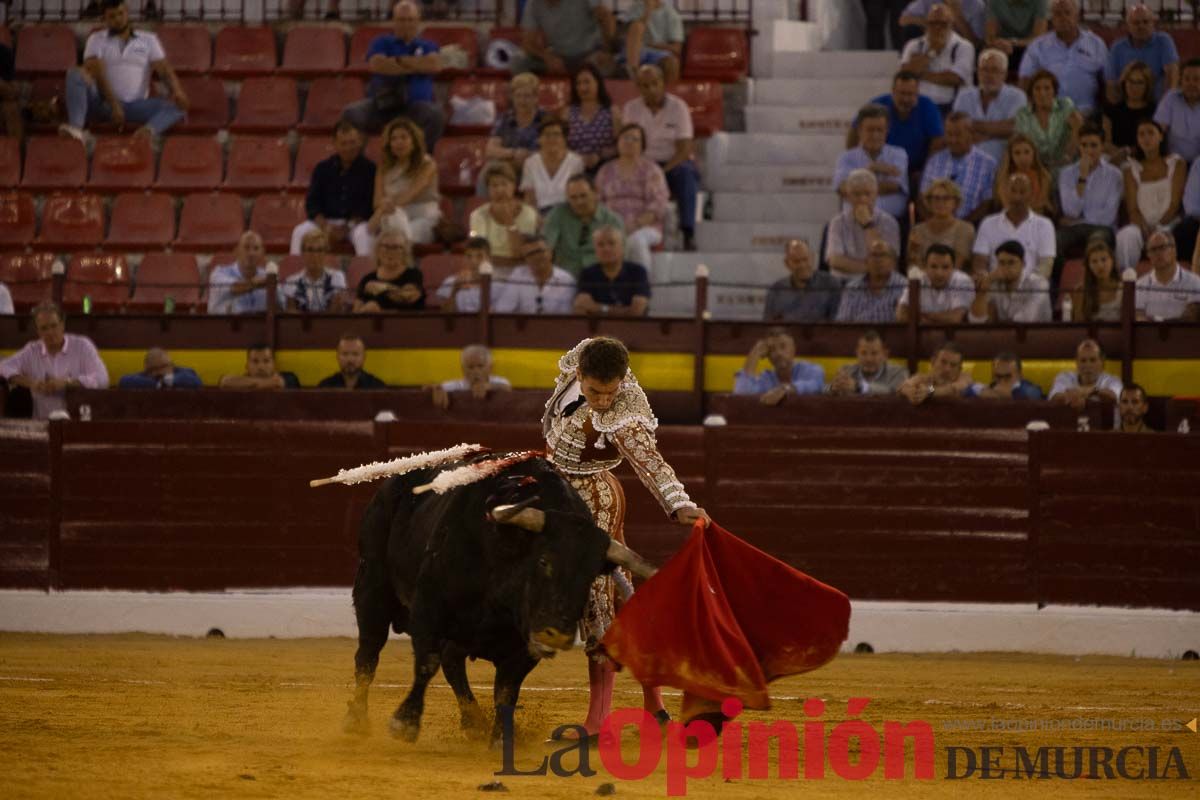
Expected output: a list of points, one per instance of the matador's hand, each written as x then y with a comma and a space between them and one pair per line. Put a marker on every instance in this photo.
687, 516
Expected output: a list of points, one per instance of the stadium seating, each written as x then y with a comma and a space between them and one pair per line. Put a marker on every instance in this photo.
241, 52
464, 37
258, 164
28, 277
358, 268
554, 93
141, 221
10, 161
208, 105
717, 54
312, 150
360, 42
121, 162
45, 50
188, 48
210, 221
167, 275
72, 221
189, 163
494, 89
327, 97
267, 105
459, 160
274, 216
103, 278
18, 219
310, 51
435, 269
621, 91
54, 162
705, 100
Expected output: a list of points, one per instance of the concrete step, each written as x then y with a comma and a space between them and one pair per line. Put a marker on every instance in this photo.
762, 236
774, 207
816, 178
773, 148
780, 35
812, 92
738, 282
837, 64
789, 119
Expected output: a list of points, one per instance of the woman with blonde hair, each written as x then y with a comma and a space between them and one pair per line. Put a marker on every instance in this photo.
1136, 104
504, 219
406, 184
1099, 299
1021, 156
515, 135
942, 226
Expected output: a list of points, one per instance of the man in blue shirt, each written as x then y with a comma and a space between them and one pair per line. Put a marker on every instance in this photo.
341, 195
402, 66
971, 169
1090, 192
788, 374
1153, 48
1179, 113
1075, 56
160, 373
888, 163
612, 286
1007, 381
993, 105
914, 122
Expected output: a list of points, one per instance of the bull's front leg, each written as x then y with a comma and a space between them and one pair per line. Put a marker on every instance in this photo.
406, 722
510, 675
454, 667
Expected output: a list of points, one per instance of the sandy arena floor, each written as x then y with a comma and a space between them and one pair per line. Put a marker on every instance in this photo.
145, 716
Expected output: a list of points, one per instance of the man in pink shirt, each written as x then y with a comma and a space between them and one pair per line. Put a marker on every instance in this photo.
52, 362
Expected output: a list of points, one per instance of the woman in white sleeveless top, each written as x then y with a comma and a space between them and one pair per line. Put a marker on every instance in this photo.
1154, 182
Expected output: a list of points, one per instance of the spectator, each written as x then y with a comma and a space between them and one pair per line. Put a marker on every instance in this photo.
1007, 381
942, 59
537, 286
54, 361
806, 295
1076, 56
787, 375
240, 287
889, 164
883, 18
1189, 225
515, 135
1012, 25
1099, 299
612, 285
993, 105
871, 374
560, 36
113, 85
1132, 408
592, 122
395, 284
545, 173
914, 122
504, 219
406, 184
351, 355
569, 227
158, 372
1143, 44
1050, 120
667, 122
944, 379
402, 66
339, 199
1136, 103
973, 170
6, 303
942, 226
1090, 193
653, 35
1022, 157
635, 187
461, 292
969, 17
855, 228
872, 298
1167, 291
1089, 380
317, 288
260, 372
1016, 222
1010, 293
477, 377
1154, 181
946, 293
1179, 113
10, 95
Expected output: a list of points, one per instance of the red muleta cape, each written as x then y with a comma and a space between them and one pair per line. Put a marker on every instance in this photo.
723, 619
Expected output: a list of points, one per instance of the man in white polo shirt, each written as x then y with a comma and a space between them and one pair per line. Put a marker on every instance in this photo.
946, 293
114, 82
944, 60
1017, 222
1167, 291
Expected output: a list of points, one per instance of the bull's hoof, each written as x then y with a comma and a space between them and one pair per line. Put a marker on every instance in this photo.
404, 730
474, 725
355, 722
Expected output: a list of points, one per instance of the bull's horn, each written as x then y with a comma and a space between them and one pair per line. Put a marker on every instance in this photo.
531, 519
622, 556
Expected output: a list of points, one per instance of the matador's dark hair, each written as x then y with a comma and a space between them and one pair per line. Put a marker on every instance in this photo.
604, 359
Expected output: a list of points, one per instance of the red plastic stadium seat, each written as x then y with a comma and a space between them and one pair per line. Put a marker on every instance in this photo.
312, 151
18, 220
327, 97
436, 268
210, 222
188, 47
208, 105
1187, 42
5, 36
360, 42
244, 51
274, 216
10, 161
141, 221
258, 164
494, 89
706, 102
121, 162
554, 93
163, 275
103, 277
45, 50
267, 105
72, 221
621, 92
312, 50
358, 268
459, 160
54, 162
718, 54
28, 277
189, 163
460, 35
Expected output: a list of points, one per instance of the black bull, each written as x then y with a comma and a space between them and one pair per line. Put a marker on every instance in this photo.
498, 570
